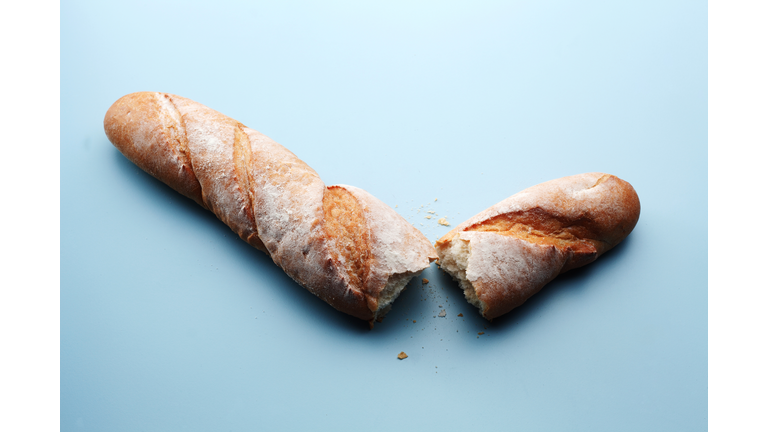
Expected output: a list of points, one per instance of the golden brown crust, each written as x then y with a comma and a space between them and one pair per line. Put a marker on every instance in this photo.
328, 239
522, 243
344, 221
149, 136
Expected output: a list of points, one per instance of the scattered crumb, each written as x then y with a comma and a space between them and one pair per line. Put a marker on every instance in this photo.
441, 314
427, 217
439, 306
443, 221
480, 333
402, 355
424, 280
395, 205
414, 321
431, 211
435, 199
461, 314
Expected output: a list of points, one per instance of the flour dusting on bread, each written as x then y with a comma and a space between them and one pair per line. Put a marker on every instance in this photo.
339, 242
508, 252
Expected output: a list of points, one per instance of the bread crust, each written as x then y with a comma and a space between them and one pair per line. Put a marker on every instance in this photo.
520, 244
339, 242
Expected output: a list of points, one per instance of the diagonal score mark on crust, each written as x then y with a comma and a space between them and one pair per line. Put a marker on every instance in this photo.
345, 223
541, 227
176, 130
241, 154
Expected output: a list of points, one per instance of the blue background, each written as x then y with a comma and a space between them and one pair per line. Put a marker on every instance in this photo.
170, 322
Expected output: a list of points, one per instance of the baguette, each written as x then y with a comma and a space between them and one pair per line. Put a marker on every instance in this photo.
339, 242
508, 252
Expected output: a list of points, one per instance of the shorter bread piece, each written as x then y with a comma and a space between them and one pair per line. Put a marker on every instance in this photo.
508, 252
339, 242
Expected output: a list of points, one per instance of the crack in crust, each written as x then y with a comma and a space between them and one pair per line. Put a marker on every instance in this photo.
603, 178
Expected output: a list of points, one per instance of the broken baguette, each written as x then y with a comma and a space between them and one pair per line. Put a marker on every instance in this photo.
339, 242
508, 252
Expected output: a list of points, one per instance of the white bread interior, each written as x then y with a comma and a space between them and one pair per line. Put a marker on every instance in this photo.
454, 259
395, 285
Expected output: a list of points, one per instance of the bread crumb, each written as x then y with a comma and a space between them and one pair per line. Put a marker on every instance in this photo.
427, 217
424, 280
443, 221
480, 333
414, 321
402, 355
431, 211
435, 199
461, 314
441, 314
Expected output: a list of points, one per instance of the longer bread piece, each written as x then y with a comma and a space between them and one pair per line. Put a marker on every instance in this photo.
339, 242
508, 252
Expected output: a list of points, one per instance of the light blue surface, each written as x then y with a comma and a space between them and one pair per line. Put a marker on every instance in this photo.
171, 322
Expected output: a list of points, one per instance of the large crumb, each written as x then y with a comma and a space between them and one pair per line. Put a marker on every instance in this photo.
481, 333
424, 280
441, 314
461, 314
443, 221
402, 355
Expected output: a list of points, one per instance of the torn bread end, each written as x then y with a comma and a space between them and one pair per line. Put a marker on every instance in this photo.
454, 259
395, 285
